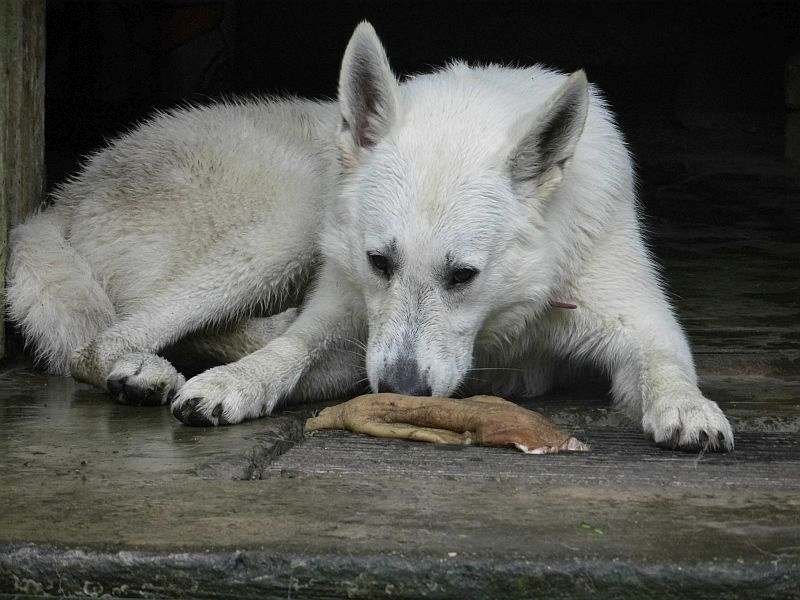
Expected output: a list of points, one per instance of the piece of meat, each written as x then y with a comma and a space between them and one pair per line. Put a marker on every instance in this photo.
483, 420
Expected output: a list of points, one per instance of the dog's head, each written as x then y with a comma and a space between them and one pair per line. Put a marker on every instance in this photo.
437, 207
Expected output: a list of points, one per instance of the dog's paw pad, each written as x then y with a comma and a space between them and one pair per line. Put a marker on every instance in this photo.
143, 380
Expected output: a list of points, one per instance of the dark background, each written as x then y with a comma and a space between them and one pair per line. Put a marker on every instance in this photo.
668, 68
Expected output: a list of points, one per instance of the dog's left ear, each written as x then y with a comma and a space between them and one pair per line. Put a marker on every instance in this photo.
367, 93
552, 135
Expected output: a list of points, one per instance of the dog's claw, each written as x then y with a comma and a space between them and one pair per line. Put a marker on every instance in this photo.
141, 379
189, 413
219, 414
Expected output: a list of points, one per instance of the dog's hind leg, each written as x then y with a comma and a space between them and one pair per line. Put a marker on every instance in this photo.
52, 294
236, 276
148, 379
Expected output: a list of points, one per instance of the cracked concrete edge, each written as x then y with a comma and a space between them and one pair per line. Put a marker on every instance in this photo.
39, 571
282, 433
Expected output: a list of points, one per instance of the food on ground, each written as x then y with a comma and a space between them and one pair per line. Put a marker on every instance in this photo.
482, 420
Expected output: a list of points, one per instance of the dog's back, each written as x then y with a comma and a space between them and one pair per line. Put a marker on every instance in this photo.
154, 202
160, 200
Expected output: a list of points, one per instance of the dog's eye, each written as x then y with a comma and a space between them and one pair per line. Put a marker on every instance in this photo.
462, 276
380, 263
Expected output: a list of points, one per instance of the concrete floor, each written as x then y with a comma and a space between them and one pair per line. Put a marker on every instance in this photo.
99, 498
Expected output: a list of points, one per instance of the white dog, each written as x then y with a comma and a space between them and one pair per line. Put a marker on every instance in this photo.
433, 227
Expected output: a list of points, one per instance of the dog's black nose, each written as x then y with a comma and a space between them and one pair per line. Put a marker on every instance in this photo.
404, 377
421, 390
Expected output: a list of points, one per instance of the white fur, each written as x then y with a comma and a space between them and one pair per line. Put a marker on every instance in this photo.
203, 216
52, 293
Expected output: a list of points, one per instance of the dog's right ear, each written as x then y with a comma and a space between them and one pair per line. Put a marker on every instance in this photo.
551, 136
367, 93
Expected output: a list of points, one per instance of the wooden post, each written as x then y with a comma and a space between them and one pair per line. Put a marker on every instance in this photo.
22, 54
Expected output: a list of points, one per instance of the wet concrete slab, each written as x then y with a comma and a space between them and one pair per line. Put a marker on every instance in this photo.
99, 499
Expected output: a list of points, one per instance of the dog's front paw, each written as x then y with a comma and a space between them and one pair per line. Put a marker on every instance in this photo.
219, 396
143, 380
688, 423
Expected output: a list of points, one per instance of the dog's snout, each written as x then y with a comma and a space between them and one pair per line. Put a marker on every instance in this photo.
404, 377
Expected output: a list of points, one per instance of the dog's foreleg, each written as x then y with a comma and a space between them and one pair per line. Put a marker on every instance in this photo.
337, 369
338, 372
253, 386
624, 324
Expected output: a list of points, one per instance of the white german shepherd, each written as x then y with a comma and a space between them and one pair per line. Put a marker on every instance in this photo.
435, 227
